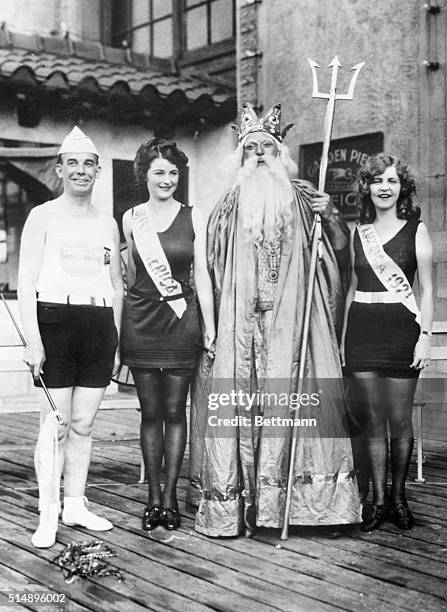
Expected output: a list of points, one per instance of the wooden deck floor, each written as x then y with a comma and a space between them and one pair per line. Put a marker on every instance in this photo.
313, 570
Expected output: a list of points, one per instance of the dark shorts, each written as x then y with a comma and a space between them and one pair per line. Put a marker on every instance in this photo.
79, 342
182, 372
386, 372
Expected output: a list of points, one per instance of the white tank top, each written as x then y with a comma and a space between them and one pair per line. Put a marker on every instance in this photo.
77, 256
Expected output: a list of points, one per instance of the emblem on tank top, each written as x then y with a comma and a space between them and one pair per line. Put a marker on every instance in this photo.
82, 261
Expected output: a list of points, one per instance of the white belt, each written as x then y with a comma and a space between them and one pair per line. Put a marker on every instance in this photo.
75, 299
376, 297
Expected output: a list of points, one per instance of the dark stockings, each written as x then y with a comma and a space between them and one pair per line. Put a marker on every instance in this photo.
357, 423
400, 392
162, 397
175, 391
385, 400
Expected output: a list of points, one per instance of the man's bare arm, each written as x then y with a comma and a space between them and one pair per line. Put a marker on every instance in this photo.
31, 254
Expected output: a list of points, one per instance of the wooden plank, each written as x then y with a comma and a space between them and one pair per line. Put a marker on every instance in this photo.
38, 570
243, 543
13, 581
188, 563
13, 473
118, 453
424, 496
274, 573
102, 477
140, 593
323, 570
102, 429
5, 607
134, 492
187, 572
13, 433
439, 491
392, 546
140, 494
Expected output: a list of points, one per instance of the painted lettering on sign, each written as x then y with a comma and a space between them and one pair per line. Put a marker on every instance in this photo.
346, 155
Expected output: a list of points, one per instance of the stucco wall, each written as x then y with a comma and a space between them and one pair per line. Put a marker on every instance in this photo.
383, 34
28, 15
81, 17
208, 177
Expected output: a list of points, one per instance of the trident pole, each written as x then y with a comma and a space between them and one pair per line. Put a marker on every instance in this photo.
316, 235
47, 393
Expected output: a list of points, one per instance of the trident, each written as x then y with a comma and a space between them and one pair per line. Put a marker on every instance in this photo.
316, 245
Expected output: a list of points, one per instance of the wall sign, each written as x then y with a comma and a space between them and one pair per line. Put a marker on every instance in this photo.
346, 155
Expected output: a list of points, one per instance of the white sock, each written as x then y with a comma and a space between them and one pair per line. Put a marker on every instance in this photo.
74, 504
45, 534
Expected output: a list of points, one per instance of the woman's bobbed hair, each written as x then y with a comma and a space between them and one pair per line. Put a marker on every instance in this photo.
157, 147
375, 166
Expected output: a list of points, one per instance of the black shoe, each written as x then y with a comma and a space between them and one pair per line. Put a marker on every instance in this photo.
374, 518
401, 515
151, 518
170, 518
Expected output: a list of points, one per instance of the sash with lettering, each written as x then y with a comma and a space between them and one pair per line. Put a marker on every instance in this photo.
154, 259
387, 270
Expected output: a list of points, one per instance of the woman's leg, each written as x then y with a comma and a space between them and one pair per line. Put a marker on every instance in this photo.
175, 390
149, 389
368, 391
400, 395
357, 423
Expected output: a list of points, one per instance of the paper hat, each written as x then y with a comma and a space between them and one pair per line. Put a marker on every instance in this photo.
77, 142
270, 123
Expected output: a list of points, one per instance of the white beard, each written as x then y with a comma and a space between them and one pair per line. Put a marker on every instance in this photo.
265, 200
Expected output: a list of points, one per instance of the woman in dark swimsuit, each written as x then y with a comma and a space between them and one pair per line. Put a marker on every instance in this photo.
385, 348
160, 343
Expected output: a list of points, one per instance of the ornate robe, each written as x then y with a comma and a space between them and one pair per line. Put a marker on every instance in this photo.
239, 463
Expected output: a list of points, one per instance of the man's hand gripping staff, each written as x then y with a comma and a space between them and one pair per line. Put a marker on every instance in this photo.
34, 372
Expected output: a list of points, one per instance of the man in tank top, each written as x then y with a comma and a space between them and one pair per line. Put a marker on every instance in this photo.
245, 402
70, 296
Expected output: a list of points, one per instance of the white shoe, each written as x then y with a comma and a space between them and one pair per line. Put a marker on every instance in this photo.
76, 513
45, 535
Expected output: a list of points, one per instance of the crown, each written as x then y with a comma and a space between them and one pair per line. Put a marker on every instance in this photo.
269, 123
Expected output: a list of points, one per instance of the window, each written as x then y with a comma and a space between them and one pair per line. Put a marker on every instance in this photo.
172, 28
152, 27
207, 22
147, 25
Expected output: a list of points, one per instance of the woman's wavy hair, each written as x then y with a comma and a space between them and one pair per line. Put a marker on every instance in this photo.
377, 165
157, 147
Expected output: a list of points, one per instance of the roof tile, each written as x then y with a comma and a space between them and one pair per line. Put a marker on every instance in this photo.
53, 70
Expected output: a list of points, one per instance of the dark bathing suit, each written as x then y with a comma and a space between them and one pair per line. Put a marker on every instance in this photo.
152, 336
